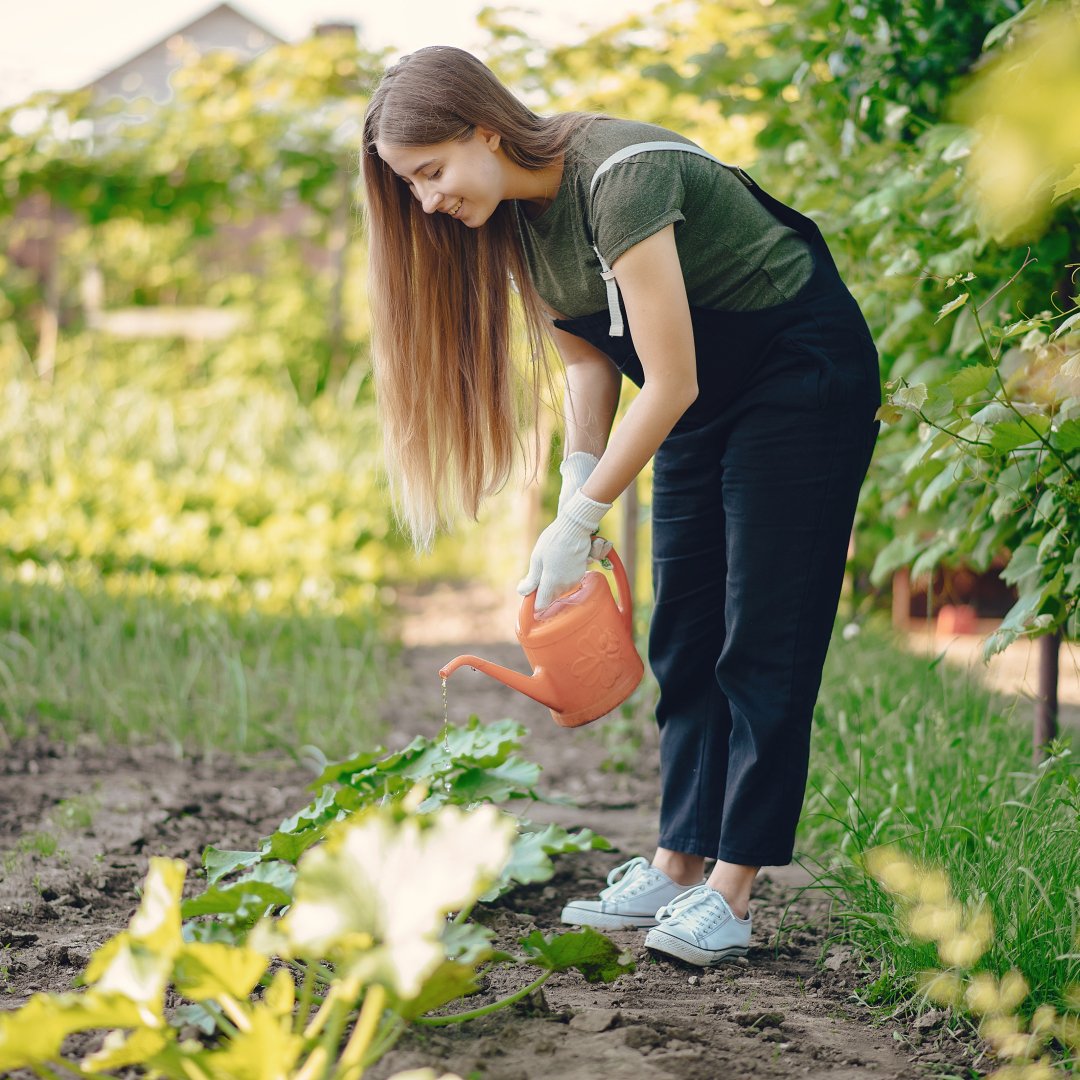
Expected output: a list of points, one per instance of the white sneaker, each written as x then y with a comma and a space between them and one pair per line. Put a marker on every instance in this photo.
700, 928
636, 890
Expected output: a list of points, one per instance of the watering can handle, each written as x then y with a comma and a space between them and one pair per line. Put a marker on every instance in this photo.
623, 602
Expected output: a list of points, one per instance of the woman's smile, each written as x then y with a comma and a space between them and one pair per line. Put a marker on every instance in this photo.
454, 210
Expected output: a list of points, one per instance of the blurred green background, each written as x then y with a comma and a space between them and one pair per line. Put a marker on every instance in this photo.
195, 537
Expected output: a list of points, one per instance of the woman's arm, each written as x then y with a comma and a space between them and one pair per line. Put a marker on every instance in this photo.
592, 393
654, 295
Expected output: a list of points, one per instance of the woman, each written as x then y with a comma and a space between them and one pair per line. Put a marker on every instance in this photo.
639, 255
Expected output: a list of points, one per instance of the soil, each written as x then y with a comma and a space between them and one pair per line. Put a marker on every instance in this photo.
790, 1008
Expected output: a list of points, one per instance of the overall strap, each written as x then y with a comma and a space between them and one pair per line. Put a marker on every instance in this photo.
617, 327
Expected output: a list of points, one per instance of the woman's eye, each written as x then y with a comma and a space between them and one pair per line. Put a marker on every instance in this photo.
436, 174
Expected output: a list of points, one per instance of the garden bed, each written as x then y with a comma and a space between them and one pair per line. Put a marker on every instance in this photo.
80, 822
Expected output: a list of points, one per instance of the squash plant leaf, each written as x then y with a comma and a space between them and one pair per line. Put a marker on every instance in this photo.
530, 857
219, 863
597, 957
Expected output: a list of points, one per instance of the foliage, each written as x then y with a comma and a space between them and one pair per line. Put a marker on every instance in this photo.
1000, 446
466, 766
201, 188
909, 751
565, 77
367, 929
144, 469
929, 912
238, 131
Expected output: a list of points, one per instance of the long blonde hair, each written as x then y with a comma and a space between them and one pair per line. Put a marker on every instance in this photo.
441, 293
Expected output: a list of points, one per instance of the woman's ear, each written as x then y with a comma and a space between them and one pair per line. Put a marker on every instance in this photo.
492, 139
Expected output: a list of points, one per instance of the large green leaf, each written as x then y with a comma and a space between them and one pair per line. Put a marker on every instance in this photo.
1067, 437
970, 380
219, 863
1012, 434
449, 981
597, 957
246, 900
530, 856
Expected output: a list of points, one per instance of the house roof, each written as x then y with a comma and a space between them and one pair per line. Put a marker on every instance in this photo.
185, 30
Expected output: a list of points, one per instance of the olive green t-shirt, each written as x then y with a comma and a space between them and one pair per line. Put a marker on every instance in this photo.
735, 255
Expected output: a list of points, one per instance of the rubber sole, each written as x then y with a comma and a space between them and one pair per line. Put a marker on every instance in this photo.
665, 943
605, 920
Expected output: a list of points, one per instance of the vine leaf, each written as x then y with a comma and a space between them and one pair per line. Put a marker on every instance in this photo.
1067, 437
1012, 434
889, 413
970, 380
910, 397
952, 305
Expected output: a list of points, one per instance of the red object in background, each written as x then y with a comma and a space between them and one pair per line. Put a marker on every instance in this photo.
957, 619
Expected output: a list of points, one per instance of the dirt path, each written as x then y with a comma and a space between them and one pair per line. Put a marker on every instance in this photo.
78, 824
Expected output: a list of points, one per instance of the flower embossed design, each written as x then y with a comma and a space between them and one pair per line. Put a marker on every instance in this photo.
599, 661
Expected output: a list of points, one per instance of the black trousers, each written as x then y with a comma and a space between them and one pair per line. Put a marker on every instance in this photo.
754, 494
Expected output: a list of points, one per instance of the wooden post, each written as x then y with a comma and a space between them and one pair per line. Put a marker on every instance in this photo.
1046, 707
901, 599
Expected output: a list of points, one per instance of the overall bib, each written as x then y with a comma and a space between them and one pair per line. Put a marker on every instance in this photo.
754, 494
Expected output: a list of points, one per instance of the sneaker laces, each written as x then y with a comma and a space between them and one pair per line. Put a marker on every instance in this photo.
627, 878
696, 908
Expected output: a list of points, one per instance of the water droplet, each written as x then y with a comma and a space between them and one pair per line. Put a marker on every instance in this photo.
445, 738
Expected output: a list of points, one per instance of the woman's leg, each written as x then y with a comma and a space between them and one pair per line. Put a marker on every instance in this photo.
689, 564
791, 482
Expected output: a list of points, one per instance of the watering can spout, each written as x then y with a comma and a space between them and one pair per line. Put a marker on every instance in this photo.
536, 686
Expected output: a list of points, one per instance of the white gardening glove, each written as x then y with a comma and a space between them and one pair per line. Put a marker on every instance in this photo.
575, 470
563, 550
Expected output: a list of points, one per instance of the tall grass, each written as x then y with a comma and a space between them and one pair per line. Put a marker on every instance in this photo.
912, 752
188, 674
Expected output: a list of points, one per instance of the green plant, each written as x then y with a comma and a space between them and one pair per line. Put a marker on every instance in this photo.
5, 966
366, 930
999, 458
465, 766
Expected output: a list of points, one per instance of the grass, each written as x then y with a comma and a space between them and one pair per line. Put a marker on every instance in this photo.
192, 675
912, 752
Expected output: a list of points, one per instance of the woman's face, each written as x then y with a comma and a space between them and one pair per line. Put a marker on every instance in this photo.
464, 178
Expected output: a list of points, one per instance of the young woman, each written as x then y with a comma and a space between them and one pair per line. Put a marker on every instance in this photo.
638, 254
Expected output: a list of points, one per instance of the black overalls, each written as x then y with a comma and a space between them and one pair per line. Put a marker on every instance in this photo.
754, 494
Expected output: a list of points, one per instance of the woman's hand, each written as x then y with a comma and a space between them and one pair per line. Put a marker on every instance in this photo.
563, 550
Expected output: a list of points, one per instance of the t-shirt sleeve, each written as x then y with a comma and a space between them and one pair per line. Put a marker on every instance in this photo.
634, 199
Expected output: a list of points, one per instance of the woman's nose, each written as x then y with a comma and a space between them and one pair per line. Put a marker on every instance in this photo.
429, 200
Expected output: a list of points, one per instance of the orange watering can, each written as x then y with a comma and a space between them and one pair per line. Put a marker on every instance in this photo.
580, 647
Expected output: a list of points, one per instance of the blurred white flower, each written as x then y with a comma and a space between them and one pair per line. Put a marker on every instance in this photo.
376, 895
